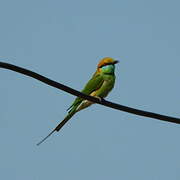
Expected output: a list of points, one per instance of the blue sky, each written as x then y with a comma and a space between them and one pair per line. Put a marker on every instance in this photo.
64, 40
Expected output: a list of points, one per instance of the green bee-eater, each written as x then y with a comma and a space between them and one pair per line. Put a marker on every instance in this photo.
99, 86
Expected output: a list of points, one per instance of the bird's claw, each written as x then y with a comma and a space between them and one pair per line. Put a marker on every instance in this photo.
100, 98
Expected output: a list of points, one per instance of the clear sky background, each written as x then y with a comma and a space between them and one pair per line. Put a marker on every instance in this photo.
64, 40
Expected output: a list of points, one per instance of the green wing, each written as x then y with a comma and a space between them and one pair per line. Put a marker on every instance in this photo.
93, 84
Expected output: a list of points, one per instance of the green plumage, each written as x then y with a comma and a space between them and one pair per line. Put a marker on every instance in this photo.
99, 86
101, 83
93, 84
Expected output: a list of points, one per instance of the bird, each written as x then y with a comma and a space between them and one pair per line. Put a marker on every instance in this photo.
99, 86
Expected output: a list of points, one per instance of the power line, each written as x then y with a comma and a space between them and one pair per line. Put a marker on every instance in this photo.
84, 96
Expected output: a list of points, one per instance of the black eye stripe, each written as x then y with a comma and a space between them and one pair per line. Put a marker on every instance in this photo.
106, 64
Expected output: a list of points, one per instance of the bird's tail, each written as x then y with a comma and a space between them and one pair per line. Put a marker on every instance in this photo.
62, 123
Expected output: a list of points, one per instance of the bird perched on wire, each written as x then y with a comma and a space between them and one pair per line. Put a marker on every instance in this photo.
98, 86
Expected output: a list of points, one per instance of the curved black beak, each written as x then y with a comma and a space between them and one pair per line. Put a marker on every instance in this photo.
116, 61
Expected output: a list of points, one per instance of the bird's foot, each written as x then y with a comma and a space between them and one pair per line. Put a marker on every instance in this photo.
100, 98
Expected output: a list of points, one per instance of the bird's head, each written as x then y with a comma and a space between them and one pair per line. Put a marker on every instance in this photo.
107, 65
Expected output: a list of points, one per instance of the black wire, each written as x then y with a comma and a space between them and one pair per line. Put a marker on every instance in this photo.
93, 99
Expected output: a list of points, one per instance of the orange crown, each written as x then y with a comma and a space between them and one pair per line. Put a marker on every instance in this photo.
105, 61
